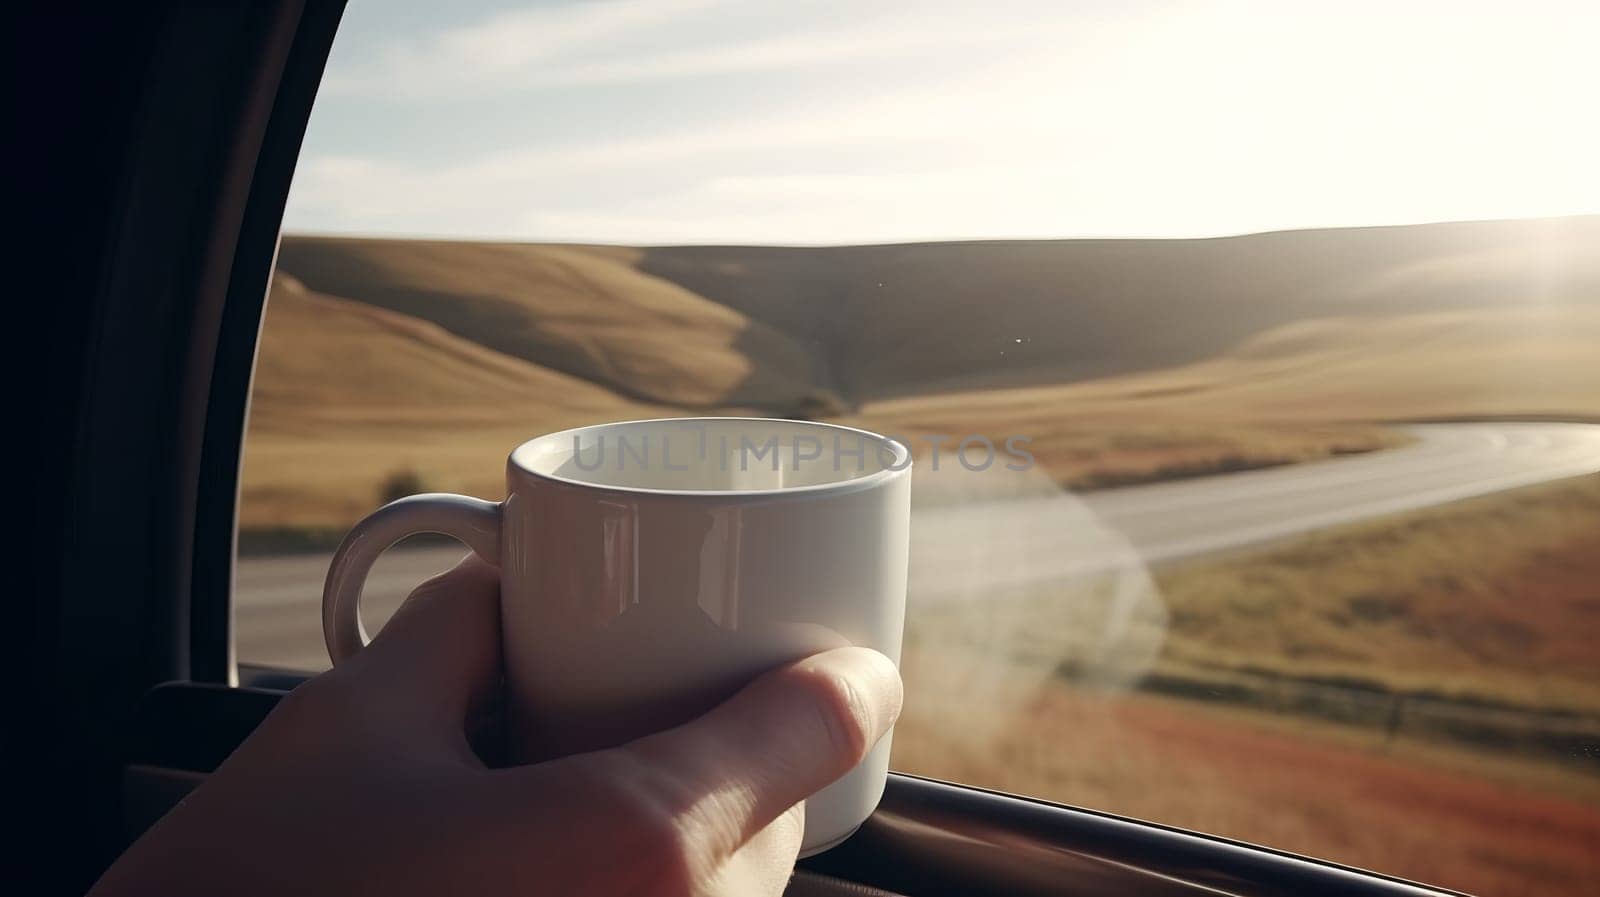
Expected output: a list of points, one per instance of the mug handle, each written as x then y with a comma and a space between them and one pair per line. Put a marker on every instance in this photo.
473, 522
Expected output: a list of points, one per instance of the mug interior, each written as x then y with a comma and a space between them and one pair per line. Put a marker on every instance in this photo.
711, 455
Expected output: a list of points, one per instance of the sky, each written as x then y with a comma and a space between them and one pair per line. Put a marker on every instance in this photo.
725, 121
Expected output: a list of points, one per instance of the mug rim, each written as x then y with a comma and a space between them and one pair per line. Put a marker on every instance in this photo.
855, 484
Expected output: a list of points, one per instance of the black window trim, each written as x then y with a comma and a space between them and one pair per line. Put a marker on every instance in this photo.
162, 137
227, 403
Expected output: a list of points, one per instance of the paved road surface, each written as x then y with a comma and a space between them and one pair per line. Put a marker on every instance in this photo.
962, 551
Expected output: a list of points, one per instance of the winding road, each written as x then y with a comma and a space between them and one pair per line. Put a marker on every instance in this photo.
961, 550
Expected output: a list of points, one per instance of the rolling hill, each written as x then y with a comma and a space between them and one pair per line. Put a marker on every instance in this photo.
912, 319
584, 311
1125, 360
346, 394
329, 359
1295, 392
780, 328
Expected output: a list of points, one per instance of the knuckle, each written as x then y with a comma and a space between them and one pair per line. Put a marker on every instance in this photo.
672, 855
837, 707
331, 707
658, 813
309, 698
312, 713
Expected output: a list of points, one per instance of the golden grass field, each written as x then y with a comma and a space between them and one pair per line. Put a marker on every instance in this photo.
1410, 810
346, 394
1493, 599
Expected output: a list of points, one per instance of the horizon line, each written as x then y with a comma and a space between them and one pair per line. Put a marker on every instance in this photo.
1087, 238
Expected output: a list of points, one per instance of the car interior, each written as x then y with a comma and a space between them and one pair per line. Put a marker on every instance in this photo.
163, 143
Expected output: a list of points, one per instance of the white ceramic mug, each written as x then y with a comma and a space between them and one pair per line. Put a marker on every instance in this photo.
648, 569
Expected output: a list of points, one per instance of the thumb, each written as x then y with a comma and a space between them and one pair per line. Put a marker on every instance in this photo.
724, 777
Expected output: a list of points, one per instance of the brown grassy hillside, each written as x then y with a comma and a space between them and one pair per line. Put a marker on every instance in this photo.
1407, 809
931, 317
776, 328
1295, 392
1124, 360
585, 311
346, 394
1490, 599
332, 360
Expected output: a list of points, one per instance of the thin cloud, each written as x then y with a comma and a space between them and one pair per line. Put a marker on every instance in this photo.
619, 43
818, 48
495, 52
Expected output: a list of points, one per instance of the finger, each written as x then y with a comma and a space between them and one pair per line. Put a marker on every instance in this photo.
727, 775
440, 652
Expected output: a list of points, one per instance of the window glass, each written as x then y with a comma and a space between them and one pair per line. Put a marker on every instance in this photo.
1291, 309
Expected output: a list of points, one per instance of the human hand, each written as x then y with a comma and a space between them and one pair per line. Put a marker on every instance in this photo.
365, 780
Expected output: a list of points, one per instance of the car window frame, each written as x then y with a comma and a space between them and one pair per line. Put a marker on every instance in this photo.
930, 837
